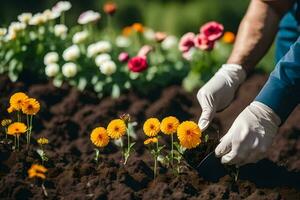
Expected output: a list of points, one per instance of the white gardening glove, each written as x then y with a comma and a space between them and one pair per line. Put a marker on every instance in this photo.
250, 135
219, 91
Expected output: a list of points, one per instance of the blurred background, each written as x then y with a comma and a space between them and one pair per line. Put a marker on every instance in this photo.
172, 16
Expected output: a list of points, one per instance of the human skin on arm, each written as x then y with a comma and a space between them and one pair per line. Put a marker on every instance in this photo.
257, 31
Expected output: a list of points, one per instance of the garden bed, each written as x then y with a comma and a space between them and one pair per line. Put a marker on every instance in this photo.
68, 116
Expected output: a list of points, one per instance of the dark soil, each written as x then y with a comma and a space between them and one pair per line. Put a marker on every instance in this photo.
67, 118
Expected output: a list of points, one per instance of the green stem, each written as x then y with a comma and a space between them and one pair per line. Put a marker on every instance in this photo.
15, 142
62, 18
18, 141
30, 128
19, 117
27, 132
155, 161
172, 149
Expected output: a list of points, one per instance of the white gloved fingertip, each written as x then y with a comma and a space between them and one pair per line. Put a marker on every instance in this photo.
203, 124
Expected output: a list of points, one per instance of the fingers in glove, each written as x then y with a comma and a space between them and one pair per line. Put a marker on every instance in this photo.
224, 147
208, 110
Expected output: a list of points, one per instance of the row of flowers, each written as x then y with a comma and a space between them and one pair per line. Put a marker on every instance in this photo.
105, 60
23, 108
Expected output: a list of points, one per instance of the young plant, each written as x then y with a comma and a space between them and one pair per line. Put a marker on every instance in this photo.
38, 171
169, 126
155, 150
16, 129
117, 128
100, 139
5, 123
42, 141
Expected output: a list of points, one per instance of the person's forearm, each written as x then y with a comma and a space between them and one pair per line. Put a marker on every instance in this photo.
257, 32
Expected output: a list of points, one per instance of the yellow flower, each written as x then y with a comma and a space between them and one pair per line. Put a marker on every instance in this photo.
16, 101
99, 137
189, 134
151, 127
31, 106
6, 122
37, 171
42, 141
228, 37
116, 128
151, 140
127, 31
138, 27
10, 109
169, 125
16, 128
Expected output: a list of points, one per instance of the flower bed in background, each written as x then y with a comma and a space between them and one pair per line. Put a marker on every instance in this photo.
107, 60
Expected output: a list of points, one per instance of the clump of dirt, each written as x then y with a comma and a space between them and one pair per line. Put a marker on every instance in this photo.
67, 118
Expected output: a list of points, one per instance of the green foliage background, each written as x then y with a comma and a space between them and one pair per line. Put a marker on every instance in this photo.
172, 16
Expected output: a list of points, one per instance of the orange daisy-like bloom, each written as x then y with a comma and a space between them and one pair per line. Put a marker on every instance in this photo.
31, 107
138, 27
151, 140
189, 134
228, 37
99, 137
42, 141
169, 125
16, 129
151, 127
10, 109
16, 101
116, 128
127, 31
37, 171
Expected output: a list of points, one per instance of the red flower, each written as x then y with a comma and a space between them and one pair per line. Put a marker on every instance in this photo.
110, 8
212, 30
203, 43
137, 64
187, 42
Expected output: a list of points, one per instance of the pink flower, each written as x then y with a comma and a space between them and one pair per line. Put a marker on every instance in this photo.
123, 57
137, 64
212, 30
160, 36
144, 51
202, 42
187, 42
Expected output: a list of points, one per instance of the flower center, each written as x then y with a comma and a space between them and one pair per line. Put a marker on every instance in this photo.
152, 126
117, 128
188, 132
170, 126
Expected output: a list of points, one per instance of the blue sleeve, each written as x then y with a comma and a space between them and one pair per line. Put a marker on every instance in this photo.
282, 90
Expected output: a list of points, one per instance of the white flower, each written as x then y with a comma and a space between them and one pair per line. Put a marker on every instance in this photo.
71, 53
123, 42
149, 34
108, 68
99, 47
103, 46
50, 58
25, 17
37, 19
16, 27
100, 59
10, 36
62, 6
52, 70
3, 31
50, 15
69, 70
88, 16
169, 43
60, 30
80, 37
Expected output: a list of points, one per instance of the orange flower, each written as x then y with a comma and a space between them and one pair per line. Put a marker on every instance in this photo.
16, 101
16, 128
138, 27
110, 8
99, 137
127, 31
169, 125
37, 171
189, 134
151, 140
228, 37
31, 107
116, 128
151, 127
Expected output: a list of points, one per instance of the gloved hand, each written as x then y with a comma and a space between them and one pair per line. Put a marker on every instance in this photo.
249, 136
219, 91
